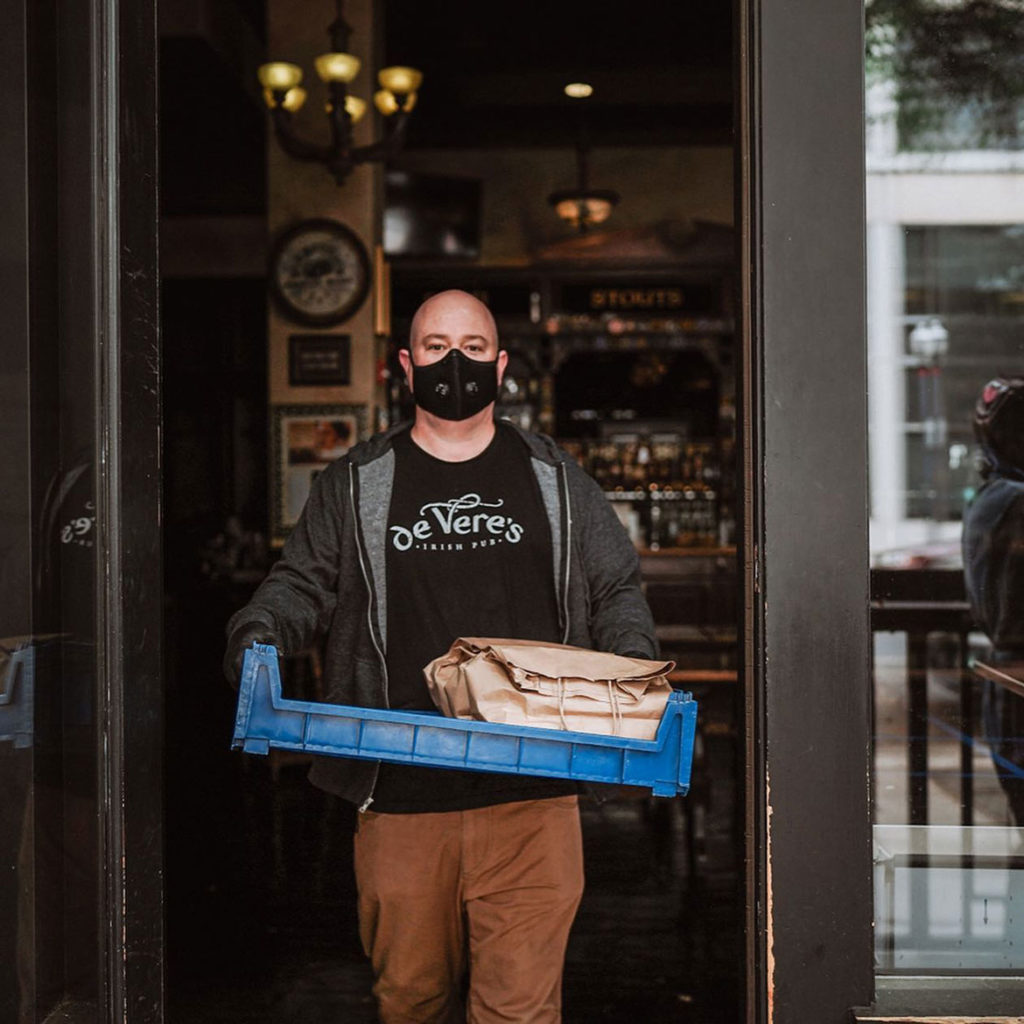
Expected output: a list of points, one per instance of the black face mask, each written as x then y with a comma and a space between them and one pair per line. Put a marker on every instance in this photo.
455, 387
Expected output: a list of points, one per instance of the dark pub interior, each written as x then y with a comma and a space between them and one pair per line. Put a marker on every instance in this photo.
619, 321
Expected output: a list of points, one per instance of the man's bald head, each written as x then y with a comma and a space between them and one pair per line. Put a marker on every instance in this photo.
448, 322
454, 316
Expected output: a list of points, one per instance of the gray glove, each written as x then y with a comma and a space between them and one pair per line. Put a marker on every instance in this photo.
241, 639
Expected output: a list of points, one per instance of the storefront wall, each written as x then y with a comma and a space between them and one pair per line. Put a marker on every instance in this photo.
81, 393
806, 539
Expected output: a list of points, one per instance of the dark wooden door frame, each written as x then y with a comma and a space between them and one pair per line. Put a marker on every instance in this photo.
804, 435
130, 585
82, 250
99, 123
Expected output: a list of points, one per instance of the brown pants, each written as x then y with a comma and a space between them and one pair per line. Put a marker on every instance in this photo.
497, 886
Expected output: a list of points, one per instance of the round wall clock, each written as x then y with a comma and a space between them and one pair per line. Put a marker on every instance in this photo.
319, 272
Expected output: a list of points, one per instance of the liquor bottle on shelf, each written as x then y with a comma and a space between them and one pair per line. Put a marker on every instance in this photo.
664, 486
656, 529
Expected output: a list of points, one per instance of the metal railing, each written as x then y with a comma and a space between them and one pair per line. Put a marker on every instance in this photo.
922, 603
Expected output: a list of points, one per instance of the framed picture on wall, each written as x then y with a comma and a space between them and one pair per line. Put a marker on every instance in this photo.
306, 440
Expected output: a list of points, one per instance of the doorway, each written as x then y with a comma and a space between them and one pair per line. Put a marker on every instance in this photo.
262, 860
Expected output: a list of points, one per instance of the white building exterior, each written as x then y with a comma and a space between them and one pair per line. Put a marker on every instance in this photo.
905, 190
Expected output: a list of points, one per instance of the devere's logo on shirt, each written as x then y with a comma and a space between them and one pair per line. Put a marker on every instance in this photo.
459, 524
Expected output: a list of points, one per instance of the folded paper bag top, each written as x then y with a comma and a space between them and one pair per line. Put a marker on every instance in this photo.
527, 682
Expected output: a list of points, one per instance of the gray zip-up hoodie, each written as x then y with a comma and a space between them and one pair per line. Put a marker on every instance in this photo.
331, 578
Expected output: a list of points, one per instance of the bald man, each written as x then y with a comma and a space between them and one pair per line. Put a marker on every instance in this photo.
456, 524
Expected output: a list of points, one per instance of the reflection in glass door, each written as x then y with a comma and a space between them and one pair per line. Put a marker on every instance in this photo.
946, 317
79, 526
50, 899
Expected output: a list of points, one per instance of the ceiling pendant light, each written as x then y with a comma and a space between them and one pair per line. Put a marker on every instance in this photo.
583, 207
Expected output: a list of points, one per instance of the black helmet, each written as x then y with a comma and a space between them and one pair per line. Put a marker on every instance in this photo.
999, 423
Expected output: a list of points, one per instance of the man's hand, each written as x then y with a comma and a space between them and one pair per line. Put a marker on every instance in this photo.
241, 639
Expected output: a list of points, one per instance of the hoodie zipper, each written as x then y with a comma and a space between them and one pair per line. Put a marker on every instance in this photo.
369, 616
568, 549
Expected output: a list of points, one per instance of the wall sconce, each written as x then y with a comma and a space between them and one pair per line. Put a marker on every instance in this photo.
395, 99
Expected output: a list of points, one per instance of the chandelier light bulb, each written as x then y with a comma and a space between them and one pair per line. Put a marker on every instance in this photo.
337, 67
597, 210
400, 80
279, 75
388, 103
356, 108
293, 99
384, 100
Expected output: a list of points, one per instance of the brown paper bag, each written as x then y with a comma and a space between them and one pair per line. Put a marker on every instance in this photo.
552, 686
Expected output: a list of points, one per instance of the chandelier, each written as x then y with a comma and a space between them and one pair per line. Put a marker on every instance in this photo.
337, 68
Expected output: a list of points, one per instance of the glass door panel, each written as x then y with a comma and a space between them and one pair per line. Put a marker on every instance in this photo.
945, 229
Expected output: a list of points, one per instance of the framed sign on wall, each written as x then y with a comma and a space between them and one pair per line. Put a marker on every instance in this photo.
305, 440
319, 360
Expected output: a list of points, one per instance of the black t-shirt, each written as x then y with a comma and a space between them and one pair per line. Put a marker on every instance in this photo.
468, 554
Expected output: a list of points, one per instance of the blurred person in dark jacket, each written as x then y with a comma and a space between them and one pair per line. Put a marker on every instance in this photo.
993, 549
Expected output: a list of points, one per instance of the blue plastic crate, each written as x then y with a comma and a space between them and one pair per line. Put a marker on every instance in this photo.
17, 698
267, 720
